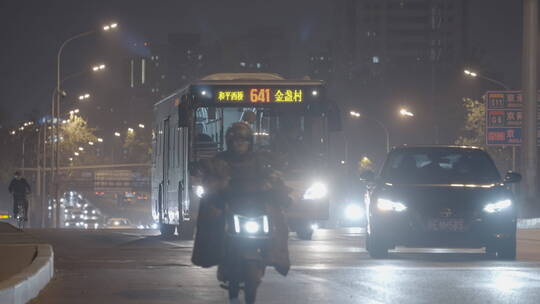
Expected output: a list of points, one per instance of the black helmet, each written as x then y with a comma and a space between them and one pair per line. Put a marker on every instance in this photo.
239, 130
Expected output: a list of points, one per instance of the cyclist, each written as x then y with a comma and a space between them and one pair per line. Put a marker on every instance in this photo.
19, 188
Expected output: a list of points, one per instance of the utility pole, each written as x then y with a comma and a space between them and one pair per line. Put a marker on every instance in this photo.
529, 78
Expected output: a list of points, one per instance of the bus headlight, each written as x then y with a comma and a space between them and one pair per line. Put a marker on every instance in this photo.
388, 205
497, 206
316, 191
199, 191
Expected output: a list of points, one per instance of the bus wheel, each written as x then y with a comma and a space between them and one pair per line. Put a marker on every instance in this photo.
167, 230
186, 230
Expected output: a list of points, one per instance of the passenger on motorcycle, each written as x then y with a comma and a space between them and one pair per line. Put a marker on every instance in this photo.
240, 171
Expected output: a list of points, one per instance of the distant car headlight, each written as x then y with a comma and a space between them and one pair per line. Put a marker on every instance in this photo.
199, 191
388, 205
497, 206
252, 227
354, 212
316, 191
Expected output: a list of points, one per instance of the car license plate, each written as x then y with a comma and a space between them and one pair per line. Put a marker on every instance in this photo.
446, 225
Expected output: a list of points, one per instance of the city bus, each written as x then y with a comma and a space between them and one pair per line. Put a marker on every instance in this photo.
292, 119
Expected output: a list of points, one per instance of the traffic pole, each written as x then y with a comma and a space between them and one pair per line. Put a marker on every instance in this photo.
529, 78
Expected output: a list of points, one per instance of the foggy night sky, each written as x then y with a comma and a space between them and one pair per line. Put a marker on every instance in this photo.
32, 31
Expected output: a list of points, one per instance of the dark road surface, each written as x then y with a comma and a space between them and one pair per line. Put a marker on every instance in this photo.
138, 267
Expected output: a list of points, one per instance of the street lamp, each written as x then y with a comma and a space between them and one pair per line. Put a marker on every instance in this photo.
117, 134
405, 112
130, 130
100, 140
84, 96
474, 74
109, 27
356, 114
141, 126
98, 67
55, 109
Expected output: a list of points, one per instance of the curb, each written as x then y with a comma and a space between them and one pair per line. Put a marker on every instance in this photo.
531, 223
27, 284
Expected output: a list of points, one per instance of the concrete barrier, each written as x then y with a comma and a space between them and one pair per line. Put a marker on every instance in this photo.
27, 284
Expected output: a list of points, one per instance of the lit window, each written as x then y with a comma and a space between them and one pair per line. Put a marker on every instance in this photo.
242, 64
258, 65
375, 59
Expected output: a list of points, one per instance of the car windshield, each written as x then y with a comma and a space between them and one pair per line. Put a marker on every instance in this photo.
439, 166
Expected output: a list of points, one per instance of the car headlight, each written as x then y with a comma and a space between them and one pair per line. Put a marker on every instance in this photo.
388, 205
251, 227
316, 191
354, 212
199, 191
498, 206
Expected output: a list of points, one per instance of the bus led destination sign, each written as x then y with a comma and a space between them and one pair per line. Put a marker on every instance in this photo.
260, 95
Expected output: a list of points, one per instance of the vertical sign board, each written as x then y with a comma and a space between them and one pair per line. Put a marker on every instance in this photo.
504, 118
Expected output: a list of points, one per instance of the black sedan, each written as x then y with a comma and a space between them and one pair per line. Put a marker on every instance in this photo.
443, 197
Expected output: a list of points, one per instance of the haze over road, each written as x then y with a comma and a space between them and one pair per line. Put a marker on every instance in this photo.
139, 267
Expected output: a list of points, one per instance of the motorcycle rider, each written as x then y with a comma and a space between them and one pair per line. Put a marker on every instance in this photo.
239, 169
19, 188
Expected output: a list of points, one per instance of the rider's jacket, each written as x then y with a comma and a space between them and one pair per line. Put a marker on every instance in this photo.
19, 188
252, 172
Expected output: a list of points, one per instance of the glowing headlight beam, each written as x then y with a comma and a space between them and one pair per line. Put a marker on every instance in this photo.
317, 190
498, 206
251, 227
388, 205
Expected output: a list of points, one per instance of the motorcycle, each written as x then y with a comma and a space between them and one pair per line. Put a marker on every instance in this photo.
248, 229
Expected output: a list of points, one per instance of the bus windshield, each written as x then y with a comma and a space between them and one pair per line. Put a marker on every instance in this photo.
295, 137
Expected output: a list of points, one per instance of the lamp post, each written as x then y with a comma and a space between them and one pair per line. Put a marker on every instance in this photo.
474, 74
55, 106
356, 114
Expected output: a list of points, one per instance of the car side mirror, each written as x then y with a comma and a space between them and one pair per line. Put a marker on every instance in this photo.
512, 177
367, 176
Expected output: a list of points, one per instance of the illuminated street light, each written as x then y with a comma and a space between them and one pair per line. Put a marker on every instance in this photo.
84, 96
495, 81
141, 126
76, 153
405, 112
71, 159
76, 111
12, 132
98, 67
100, 140
470, 73
354, 114
109, 27
130, 130
116, 134
81, 149
91, 143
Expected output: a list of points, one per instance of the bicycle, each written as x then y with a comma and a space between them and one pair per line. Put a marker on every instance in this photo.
20, 216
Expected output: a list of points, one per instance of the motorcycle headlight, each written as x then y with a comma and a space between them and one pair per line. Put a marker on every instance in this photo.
353, 212
388, 205
252, 227
497, 206
316, 191
199, 191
